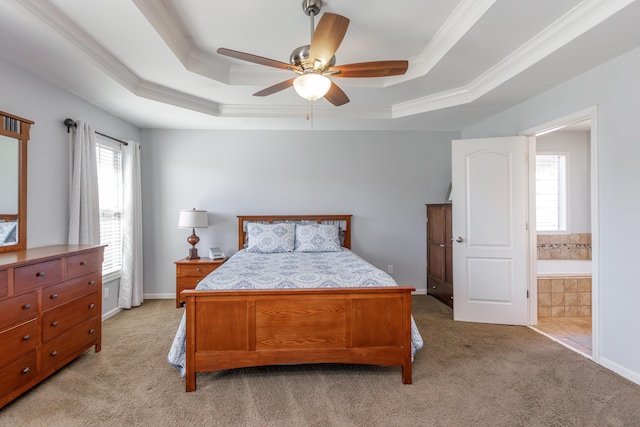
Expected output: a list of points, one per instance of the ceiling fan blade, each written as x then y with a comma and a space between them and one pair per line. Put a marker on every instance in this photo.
256, 59
371, 69
336, 96
275, 88
328, 36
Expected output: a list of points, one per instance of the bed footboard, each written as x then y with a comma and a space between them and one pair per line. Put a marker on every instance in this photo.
244, 328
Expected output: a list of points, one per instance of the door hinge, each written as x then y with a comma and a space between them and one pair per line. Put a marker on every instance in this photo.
527, 294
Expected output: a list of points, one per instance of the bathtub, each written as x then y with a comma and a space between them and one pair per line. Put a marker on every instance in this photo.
564, 268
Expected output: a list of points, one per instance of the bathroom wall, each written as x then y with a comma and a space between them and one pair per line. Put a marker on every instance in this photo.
564, 296
564, 246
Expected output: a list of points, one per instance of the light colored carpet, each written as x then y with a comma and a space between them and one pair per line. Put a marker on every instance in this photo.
467, 375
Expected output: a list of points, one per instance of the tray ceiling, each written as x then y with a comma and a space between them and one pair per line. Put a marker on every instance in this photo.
154, 62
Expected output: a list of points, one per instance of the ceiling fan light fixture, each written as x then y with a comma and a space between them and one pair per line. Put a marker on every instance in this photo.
312, 86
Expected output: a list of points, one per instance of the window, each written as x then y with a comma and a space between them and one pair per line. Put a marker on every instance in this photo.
551, 192
109, 159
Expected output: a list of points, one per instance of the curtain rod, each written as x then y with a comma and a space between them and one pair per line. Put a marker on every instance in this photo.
70, 123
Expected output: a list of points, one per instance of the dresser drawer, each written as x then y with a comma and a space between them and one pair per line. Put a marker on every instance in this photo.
442, 291
200, 270
4, 283
16, 310
37, 275
88, 262
73, 342
58, 320
18, 340
17, 373
53, 296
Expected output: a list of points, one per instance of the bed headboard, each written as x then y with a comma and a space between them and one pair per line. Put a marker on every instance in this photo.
342, 221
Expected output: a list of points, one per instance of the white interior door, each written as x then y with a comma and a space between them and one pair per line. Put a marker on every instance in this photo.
489, 223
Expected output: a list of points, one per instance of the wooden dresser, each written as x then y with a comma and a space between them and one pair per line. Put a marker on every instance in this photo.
50, 312
190, 271
439, 253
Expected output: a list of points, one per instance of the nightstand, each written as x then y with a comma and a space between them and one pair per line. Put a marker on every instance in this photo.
190, 271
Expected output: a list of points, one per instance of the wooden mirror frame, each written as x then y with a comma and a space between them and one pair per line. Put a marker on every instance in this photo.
22, 135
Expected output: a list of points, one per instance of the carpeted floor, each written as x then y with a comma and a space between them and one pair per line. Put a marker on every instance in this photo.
467, 375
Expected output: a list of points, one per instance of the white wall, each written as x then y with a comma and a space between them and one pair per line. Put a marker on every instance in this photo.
577, 145
25, 95
615, 88
383, 179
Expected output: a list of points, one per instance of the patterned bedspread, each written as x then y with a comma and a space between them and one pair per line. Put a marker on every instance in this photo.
246, 270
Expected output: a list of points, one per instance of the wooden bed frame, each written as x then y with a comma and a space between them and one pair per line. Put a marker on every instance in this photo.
246, 328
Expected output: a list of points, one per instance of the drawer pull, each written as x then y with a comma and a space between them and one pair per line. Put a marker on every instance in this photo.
92, 282
91, 306
26, 337
54, 353
434, 286
26, 370
55, 323
40, 274
92, 331
198, 270
54, 296
26, 306
83, 262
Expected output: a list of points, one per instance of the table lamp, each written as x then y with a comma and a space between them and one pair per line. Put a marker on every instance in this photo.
193, 219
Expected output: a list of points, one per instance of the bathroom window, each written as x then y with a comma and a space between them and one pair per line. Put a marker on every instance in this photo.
551, 192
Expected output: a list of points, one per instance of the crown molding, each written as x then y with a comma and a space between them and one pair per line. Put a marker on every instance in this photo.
463, 18
58, 21
574, 23
169, 29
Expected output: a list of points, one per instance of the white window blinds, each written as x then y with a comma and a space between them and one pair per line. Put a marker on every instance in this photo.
109, 159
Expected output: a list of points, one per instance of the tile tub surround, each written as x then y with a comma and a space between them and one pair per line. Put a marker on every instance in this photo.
564, 246
564, 297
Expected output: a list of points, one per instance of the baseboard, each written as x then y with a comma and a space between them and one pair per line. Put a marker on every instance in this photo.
110, 313
620, 370
159, 296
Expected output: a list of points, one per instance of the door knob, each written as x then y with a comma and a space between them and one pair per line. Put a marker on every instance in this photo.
458, 239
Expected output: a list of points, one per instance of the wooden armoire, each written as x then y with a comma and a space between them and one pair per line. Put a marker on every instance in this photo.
439, 252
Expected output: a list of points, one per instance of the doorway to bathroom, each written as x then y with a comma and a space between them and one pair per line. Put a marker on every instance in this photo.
562, 250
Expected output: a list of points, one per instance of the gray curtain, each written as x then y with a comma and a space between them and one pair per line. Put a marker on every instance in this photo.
84, 209
131, 280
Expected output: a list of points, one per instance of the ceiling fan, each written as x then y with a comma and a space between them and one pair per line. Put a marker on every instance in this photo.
315, 62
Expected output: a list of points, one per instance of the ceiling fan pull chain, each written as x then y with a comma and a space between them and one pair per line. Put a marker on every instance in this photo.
310, 114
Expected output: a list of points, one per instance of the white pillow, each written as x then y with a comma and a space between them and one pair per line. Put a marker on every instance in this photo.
317, 238
268, 238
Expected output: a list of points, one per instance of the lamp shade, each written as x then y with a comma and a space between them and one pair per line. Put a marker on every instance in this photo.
192, 218
312, 86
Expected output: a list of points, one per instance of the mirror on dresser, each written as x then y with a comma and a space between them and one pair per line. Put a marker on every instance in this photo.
14, 134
